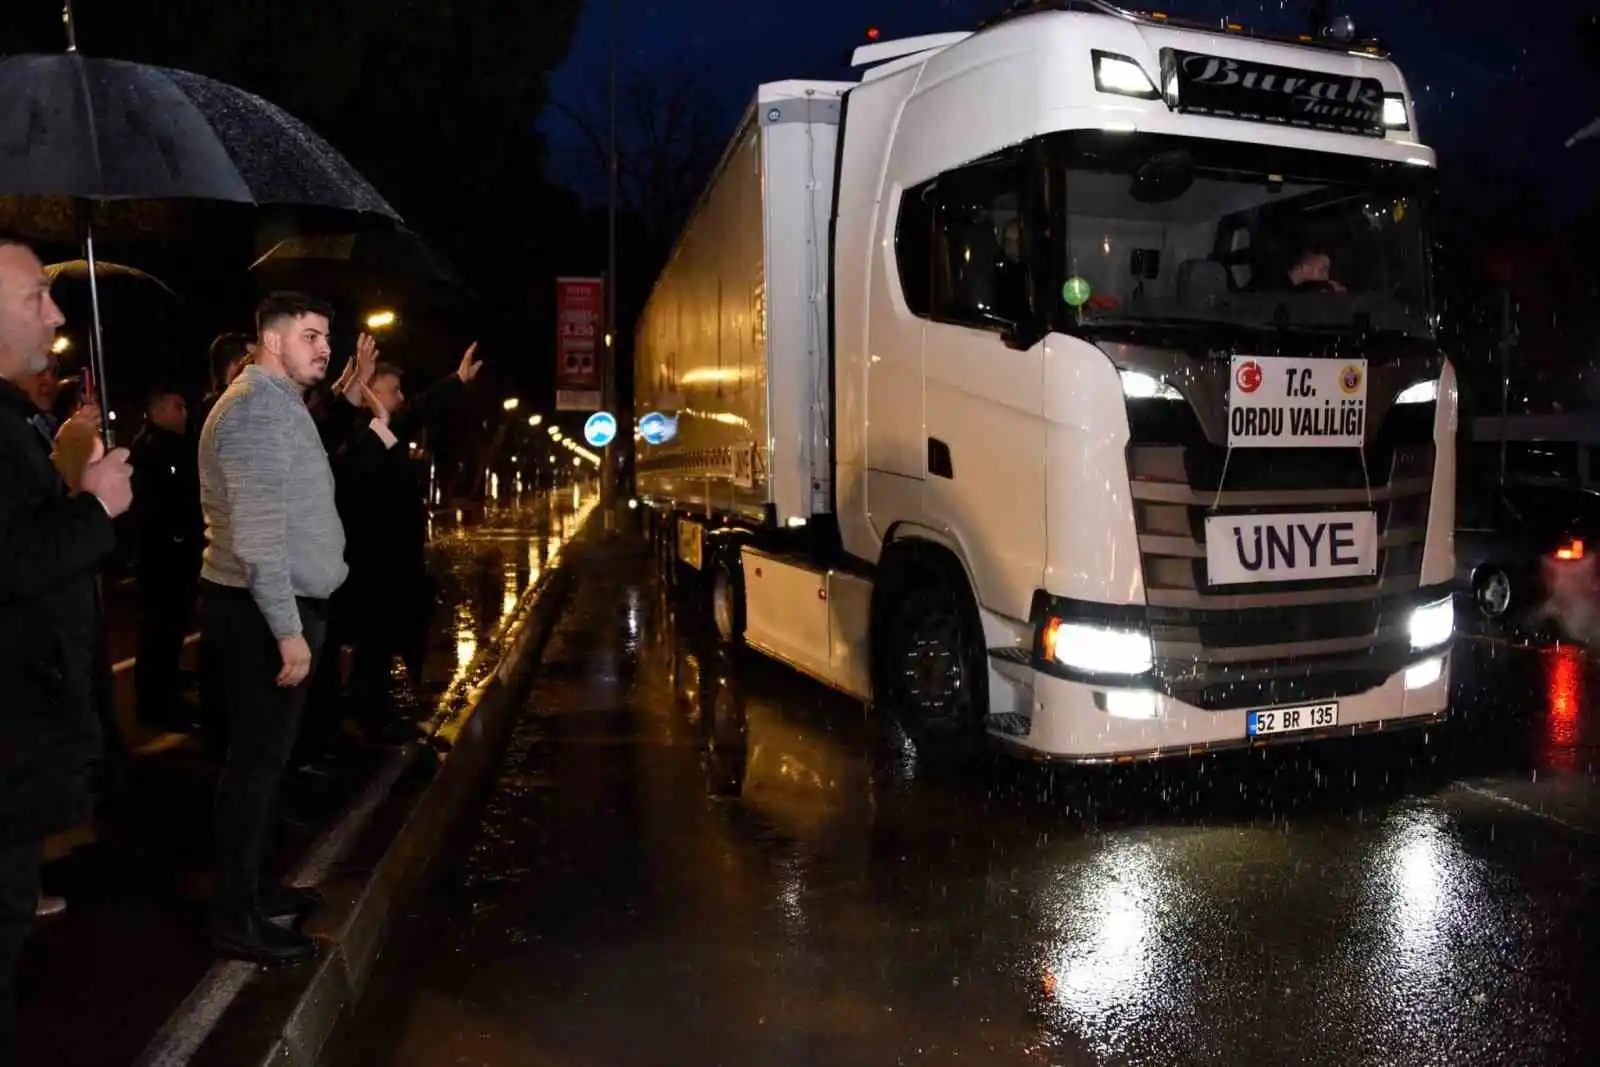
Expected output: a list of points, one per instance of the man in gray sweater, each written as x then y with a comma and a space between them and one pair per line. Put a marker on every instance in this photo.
275, 556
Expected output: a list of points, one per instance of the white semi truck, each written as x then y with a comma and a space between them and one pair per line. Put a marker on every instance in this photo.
1072, 382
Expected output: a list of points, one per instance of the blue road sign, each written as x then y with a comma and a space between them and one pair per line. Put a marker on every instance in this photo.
600, 429
658, 429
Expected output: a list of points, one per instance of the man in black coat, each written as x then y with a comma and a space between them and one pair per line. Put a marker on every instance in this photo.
169, 536
383, 503
52, 543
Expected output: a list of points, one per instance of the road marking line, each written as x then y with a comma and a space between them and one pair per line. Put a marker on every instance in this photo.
1526, 809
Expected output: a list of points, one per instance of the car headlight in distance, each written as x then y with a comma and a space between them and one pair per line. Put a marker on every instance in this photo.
1432, 624
1137, 385
1097, 649
1420, 393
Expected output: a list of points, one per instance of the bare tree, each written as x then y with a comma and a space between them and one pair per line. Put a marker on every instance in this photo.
671, 128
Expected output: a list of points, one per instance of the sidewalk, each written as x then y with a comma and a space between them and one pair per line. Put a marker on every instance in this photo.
100, 980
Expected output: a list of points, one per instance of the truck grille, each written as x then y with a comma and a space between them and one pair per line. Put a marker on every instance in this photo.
1178, 477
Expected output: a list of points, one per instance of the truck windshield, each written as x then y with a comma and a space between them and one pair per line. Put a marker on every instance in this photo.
1172, 231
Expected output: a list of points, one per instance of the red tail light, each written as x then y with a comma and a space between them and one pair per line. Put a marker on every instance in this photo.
1571, 550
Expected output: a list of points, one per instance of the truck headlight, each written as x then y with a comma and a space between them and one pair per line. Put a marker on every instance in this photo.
1420, 393
1137, 385
1097, 649
1432, 624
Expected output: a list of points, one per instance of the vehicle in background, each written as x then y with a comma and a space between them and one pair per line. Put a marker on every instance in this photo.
1528, 524
1072, 383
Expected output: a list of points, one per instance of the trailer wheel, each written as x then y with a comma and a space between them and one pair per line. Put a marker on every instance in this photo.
929, 664
727, 596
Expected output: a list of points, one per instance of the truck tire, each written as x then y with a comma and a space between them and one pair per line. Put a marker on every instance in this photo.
929, 665
1492, 593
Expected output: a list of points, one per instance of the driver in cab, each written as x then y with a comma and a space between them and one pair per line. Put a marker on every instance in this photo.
1312, 273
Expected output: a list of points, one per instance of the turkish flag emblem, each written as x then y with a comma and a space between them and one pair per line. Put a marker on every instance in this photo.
1248, 377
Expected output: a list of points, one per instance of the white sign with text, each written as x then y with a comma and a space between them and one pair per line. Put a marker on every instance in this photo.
1299, 547
1284, 402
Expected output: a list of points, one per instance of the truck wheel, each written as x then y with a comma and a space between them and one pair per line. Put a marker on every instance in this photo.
1491, 592
727, 596
930, 668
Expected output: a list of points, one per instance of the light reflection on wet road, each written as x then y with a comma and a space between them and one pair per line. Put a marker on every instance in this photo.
690, 860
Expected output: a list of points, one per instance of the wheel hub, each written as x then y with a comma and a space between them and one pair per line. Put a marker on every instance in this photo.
1494, 594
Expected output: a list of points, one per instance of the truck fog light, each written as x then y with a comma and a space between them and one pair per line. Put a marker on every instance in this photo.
1129, 703
1421, 675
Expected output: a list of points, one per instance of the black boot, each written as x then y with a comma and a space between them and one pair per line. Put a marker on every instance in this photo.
256, 940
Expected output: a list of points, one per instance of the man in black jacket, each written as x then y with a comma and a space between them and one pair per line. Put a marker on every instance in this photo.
52, 542
384, 505
169, 535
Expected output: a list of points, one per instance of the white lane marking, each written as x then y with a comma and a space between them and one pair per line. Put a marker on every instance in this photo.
1525, 809
127, 664
183, 1034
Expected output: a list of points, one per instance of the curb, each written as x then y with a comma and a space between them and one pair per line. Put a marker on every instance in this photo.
355, 924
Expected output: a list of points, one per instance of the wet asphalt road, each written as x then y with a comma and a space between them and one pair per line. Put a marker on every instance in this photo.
688, 860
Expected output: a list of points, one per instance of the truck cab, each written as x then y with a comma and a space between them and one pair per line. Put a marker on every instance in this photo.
1135, 436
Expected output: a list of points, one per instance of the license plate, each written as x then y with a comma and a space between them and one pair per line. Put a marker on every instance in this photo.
1291, 547
1288, 720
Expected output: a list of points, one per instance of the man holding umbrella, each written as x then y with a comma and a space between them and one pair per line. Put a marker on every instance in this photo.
52, 543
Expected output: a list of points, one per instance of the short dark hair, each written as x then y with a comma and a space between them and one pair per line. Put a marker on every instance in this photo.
288, 305
381, 368
225, 350
160, 389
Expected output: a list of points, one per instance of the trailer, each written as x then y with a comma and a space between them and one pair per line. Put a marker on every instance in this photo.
1069, 384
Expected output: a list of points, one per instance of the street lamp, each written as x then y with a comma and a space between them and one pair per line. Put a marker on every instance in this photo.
380, 320
60, 345
535, 420
511, 403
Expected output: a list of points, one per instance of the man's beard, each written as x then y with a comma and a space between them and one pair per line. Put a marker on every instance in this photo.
39, 362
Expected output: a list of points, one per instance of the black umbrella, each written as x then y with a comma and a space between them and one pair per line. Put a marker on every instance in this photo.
392, 256
78, 270
95, 146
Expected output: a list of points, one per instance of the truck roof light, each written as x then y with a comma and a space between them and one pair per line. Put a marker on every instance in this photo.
1394, 112
1123, 76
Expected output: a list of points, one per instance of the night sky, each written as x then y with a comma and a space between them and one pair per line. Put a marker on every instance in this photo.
1491, 81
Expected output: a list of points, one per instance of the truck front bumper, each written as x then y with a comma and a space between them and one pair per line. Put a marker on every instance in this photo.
1087, 722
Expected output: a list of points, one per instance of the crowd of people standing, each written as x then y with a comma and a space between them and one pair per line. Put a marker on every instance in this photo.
292, 518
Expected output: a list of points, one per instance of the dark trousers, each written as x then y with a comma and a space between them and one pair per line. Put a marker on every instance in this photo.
19, 898
263, 719
167, 584
319, 724
384, 624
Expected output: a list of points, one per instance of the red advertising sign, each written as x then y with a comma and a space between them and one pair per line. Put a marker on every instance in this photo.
579, 319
